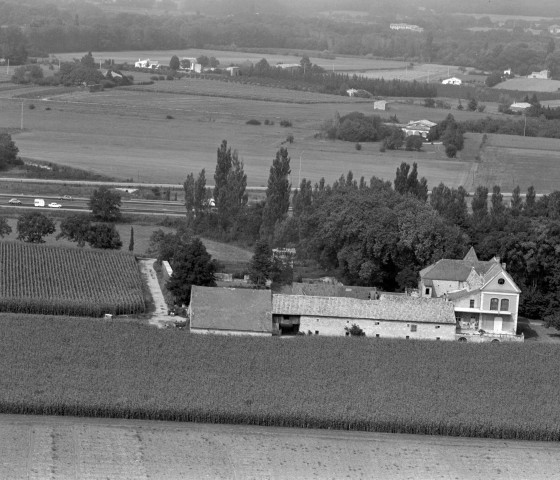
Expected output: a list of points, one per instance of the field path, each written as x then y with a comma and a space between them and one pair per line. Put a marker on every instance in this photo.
160, 317
93, 448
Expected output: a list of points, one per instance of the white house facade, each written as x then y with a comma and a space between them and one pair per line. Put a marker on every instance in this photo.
484, 296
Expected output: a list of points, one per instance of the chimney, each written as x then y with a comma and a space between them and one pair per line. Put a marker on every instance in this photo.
503, 265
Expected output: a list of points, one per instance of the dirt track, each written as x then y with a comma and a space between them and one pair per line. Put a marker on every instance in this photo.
81, 448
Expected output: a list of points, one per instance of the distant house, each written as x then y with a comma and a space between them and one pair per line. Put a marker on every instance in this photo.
233, 71
485, 297
543, 74
554, 29
288, 66
190, 64
390, 316
380, 105
452, 81
520, 106
507, 72
406, 26
154, 65
230, 311
351, 92
419, 127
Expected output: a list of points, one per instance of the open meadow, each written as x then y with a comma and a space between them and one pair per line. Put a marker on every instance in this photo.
127, 134
161, 132
510, 160
103, 368
529, 85
226, 58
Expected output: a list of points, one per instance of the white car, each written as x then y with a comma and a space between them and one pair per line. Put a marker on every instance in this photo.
66, 197
14, 201
55, 205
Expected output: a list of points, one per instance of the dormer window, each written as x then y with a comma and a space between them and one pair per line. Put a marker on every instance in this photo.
471, 304
501, 281
504, 305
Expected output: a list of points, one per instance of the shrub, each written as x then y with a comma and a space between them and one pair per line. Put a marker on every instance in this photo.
285, 123
31, 106
154, 78
161, 77
451, 150
355, 331
253, 121
48, 108
267, 121
290, 139
169, 77
358, 146
169, 117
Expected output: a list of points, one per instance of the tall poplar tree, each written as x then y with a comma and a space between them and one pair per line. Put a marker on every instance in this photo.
277, 192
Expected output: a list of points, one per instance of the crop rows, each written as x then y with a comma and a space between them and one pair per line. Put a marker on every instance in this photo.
65, 281
81, 367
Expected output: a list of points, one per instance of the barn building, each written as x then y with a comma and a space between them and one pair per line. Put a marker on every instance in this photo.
231, 311
390, 316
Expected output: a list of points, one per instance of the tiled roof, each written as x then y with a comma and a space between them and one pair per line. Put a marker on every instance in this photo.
462, 294
456, 270
388, 307
238, 309
328, 290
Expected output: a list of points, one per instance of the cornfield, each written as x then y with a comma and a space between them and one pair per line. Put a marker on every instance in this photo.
64, 281
97, 368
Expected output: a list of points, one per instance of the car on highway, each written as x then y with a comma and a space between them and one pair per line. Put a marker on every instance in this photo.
14, 201
55, 205
65, 197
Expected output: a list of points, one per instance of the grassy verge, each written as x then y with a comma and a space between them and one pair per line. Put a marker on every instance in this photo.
98, 368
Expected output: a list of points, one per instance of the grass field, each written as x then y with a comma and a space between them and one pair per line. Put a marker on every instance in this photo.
64, 281
126, 134
99, 368
424, 72
340, 63
530, 84
510, 160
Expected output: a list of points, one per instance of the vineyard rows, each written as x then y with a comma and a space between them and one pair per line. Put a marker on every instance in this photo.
64, 281
98, 368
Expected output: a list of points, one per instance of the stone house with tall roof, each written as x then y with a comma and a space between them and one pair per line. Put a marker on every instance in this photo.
484, 296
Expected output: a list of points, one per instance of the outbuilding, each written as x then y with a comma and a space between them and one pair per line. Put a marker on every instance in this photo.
230, 311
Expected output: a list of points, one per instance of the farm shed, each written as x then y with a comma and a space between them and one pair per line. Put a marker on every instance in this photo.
519, 106
231, 311
380, 105
543, 74
391, 316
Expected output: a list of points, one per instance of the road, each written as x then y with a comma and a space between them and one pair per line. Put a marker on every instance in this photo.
44, 447
145, 207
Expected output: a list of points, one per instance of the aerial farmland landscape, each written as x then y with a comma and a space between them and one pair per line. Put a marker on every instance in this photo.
279, 239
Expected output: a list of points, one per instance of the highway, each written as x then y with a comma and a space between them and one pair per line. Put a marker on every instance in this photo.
80, 204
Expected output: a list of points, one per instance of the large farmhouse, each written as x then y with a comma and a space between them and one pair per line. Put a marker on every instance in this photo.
418, 127
147, 63
485, 297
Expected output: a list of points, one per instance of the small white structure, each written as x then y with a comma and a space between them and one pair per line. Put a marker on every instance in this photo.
519, 106
543, 74
351, 92
288, 66
380, 105
452, 81
233, 71
154, 65
507, 72
406, 26
554, 29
